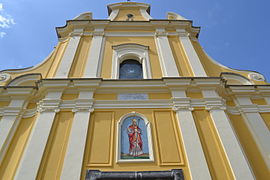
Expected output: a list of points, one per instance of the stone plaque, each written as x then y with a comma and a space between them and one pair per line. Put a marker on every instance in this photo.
133, 96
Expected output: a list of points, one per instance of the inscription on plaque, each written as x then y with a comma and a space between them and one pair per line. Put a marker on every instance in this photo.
132, 96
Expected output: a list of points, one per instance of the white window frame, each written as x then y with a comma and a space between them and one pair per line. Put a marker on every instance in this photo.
136, 52
149, 138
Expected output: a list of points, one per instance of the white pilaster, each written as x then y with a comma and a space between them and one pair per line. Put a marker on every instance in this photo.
236, 157
69, 54
77, 140
166, 58
191, 54
34, 150
8, 124
193, 148
95, 55
256, 126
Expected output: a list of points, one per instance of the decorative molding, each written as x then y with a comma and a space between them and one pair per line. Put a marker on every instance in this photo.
182, 104
145, 14
84, 16
29, 113
160, 32
256, 76
49, 105
83, 105
4, 77
98, 32
97, 174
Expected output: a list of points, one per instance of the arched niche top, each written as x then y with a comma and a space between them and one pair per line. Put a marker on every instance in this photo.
235, 79
130, 45
134, 51
133, 113
25, 80
130, 56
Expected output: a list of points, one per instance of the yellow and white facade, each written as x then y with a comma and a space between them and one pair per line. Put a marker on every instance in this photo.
61, 118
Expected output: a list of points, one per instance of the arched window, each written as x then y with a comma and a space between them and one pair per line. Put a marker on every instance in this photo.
133, 59
135, 142
130, 69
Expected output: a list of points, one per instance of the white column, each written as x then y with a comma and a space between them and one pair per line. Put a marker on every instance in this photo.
191, 54
95, 55
35, 148
77, 140
256, 126
193, 148
69, 54
166, 58
9, 123
236, 157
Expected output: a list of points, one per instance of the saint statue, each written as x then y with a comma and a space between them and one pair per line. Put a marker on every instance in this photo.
135, 140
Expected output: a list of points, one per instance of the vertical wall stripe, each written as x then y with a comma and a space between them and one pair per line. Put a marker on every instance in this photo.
67, 59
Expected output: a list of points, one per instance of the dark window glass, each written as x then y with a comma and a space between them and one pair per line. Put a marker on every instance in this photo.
130, 69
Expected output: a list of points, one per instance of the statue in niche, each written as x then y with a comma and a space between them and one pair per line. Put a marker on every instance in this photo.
134, 140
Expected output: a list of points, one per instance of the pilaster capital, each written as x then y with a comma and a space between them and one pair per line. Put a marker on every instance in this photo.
83, 105
49, 105
98, 32
216, 103
161, 32
182, 104
13, 111
182, 33
250, 108
76, 32
215, 107
182, 108
76, 109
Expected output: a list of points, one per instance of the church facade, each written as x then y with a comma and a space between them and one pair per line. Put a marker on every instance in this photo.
133, 97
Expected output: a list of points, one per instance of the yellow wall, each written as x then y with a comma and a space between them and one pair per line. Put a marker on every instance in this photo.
146, 41
195, 95
100, 152
122, 15
105, 96
159, 96
213, 150
53, 158
16, 148
266, 118
252, 152
259, 101
4, 103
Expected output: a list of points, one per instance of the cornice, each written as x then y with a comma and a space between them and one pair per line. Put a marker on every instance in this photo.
89, 25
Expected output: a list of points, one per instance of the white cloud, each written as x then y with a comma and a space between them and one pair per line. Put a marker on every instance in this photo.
6, 21
2, 34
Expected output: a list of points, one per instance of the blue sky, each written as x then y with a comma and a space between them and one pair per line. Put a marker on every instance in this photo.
234, 32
